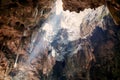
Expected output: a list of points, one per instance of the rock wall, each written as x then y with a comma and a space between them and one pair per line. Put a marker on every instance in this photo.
98, 58
80, 5
18, 20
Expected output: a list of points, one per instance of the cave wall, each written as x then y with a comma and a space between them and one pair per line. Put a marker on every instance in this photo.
20, 18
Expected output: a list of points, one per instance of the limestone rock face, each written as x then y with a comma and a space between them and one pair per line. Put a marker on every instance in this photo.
18, 20
41, 42
80, 5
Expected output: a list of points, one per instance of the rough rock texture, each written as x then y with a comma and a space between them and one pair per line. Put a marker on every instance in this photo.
114, 8
99, 58
80, 5
18, 20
